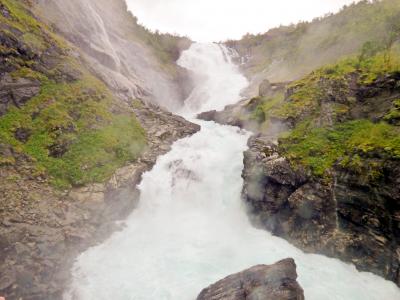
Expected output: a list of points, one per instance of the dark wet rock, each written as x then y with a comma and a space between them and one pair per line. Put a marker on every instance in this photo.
265, 88
347, 217
229, 116
4, 11
274, 282
16, 92
59, 149
22, 134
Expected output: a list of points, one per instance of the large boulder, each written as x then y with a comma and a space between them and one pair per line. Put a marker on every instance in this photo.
262, 282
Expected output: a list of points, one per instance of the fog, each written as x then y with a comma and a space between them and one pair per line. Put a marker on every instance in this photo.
210, 20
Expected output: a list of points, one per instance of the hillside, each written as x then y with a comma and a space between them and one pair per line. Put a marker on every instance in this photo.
290, 52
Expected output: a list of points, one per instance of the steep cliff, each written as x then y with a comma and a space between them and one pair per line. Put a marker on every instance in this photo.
74, 140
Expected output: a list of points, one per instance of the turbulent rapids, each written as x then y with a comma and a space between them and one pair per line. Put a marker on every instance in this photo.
190, 228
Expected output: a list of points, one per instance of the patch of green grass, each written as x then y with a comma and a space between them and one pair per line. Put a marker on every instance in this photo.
305, 99
265, 109
35, 34
394, 115
318, 149
368, 69
311, 90
96, 154
76, 116
22, 20
25, 72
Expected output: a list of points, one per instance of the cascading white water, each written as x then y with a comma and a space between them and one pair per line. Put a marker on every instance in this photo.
190, 228
218, 81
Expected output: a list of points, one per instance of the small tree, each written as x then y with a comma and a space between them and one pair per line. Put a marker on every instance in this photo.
369, 49
393, 35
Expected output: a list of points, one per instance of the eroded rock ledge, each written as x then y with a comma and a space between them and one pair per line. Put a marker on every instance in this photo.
275, 282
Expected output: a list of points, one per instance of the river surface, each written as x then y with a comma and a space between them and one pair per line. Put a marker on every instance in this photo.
191, 229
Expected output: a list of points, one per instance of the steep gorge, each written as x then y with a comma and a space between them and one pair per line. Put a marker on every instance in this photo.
81, 85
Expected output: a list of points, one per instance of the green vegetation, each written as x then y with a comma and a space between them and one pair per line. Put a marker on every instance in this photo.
325, 133
73, 135
309, 91
352, 144
393, 116
319, 148
35, 34
263, 110
304, 100
73, 130
290, 52
259, 118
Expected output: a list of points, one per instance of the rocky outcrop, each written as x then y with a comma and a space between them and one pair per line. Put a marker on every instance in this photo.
242, 113
275, 282
346, 217
16, 92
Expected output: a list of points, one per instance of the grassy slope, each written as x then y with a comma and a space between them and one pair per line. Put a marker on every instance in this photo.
78, 133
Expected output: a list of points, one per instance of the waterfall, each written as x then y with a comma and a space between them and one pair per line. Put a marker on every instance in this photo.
218, 80
101, 36
190, 228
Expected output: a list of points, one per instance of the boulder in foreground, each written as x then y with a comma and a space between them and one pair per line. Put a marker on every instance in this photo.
262, 282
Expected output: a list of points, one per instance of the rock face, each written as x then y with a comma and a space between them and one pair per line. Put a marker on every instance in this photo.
348, 218
274, 282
